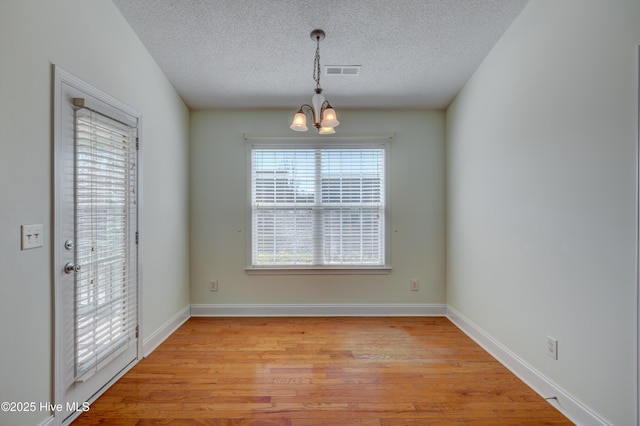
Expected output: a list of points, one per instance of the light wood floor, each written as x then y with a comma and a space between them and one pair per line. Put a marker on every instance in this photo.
320, 371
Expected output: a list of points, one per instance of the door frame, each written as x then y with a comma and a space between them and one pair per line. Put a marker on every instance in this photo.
638, 241
61, 77
637, 235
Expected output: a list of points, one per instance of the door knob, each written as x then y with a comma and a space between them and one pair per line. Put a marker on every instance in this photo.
70, 267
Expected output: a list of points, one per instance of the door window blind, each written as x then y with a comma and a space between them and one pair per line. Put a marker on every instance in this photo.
317, 207
105, 208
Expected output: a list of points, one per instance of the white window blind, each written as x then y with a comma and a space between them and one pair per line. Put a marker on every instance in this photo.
105, 208
318, 207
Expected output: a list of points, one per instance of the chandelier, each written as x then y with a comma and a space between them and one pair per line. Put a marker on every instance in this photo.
323, 115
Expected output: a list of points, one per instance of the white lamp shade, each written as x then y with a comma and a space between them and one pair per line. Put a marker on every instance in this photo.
299, 122
329, 118
326, 130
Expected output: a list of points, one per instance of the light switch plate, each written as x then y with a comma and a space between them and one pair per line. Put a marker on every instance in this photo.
32, 236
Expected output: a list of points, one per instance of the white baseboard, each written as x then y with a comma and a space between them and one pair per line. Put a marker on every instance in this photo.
565, 402
319, 310
153, 341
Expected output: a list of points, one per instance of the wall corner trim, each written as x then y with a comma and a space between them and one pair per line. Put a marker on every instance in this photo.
49, 421
160, 335
312, 310
567, 404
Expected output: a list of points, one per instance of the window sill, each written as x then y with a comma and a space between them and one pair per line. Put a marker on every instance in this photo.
319, 271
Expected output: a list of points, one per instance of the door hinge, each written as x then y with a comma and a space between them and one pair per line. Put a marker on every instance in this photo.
137, 331
137, 143
137, 237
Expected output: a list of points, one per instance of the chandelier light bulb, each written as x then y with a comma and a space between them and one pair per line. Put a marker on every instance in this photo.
326, 130
299, 122
329, 118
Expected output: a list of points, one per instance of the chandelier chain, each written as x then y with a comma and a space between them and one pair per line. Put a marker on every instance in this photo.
316, 64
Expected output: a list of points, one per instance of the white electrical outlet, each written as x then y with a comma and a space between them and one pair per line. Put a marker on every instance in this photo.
31, 236
414, 285
213, 285
552, 347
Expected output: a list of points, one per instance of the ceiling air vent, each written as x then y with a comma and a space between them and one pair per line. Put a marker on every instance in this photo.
342, 69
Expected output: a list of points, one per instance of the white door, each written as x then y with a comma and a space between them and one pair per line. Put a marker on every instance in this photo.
95, 252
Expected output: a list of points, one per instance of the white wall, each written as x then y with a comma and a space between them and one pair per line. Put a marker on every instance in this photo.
91, 40
541, 197
218, 206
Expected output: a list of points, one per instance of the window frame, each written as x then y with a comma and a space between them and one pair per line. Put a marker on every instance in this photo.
288, 142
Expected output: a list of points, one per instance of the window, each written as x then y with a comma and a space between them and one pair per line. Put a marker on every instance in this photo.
318, 205
105, 211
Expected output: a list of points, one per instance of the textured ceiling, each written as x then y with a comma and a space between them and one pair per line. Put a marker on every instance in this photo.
258, 53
